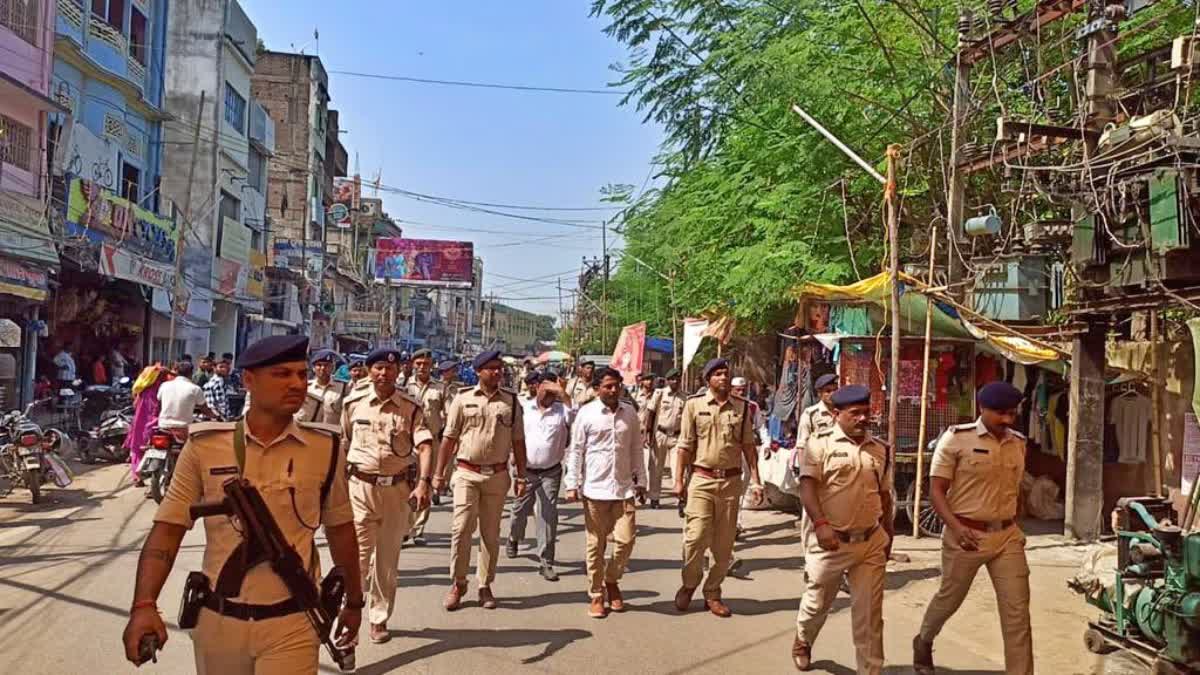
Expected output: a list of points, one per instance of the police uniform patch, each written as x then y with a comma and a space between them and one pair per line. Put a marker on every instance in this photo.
981, 451
223, 471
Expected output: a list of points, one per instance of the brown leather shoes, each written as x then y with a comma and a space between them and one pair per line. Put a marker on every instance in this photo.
718, 608
922, 656
596, 608
683, 598
801, 654
486, 599
379, 633
454, 598
615, 600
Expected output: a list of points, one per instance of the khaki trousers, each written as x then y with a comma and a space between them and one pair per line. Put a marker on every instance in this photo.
478, 500
664, 446
227, 646
710, 522
1004, 555
864, 564
381, 517
419, 519
602, 517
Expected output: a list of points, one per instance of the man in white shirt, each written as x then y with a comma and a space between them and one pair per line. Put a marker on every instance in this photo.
65, 363
606, 469
180, 398
547, 433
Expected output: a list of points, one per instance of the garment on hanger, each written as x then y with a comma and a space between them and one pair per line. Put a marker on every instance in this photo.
1130, 414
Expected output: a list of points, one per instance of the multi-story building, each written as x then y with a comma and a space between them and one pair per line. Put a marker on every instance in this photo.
459, 316
294, 90
212, 53
27, 253
120, 231
515, 331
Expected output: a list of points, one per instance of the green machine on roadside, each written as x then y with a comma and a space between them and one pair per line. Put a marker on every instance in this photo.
1153, 607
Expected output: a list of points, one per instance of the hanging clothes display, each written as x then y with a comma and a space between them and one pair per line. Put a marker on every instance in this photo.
1130, 414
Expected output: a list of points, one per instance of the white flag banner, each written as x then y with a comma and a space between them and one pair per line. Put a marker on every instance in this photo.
693, 332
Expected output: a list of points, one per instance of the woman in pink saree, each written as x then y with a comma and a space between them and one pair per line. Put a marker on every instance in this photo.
145, 415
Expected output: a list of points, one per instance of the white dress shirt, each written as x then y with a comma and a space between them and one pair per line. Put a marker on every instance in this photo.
180, 397
606, 459
547, 433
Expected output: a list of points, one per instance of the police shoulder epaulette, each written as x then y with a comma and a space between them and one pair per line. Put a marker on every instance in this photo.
320, 427
1016, 433
357, 393
967, 426
209, 427
824, 432
408, 397
700, 395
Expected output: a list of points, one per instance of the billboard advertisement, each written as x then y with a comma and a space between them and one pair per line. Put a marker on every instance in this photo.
346, 195
631, 347
425, 262
104, 218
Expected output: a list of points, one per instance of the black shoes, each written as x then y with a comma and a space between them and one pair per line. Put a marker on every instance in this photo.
511, 549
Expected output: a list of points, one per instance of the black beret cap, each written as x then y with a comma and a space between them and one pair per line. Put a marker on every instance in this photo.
713, 365
825, 380
422, 352
449, 364
383, 354
275, 349
325, 355
999, 396
482, 358
851, 394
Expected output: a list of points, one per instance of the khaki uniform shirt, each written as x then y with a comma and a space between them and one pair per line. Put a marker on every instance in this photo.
715, 433
647, 404
292, 466
432, 396
669, 413
816, 417
485, 426
323, 403
851, 477
580, 391
984, 471
382, 435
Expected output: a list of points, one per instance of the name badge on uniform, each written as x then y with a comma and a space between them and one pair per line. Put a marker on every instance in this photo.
223, 471
704, 414
836, 455
471, 406
362, 421
981, 451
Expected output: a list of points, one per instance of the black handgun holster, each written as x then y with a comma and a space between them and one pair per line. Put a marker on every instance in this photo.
195, 594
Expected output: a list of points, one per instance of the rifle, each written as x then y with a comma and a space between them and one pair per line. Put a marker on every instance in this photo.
264, 542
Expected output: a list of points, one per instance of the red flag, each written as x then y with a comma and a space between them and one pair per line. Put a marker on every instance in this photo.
631, 346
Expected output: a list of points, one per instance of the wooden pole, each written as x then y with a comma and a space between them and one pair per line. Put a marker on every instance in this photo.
916, 507
893, 225
956, 189
1155, 404
179, 246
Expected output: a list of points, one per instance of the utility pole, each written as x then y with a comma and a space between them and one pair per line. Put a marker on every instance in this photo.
1085, 442
956, 190
183, 227
893, 226
604, 287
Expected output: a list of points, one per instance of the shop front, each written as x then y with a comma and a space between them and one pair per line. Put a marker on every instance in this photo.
28, 259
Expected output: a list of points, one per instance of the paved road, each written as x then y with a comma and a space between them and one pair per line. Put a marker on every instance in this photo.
66, 575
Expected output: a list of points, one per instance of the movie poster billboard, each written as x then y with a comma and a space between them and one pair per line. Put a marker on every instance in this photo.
425, 262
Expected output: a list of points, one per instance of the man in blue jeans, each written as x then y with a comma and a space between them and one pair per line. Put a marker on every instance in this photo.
547, 433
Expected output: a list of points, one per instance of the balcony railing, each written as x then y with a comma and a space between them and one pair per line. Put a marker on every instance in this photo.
100, 30
71, 12
137, 72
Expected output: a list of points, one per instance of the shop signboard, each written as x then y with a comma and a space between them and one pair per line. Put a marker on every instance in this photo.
22, 280
24, 228
360, 323
425, 262
256, 276
121, 263
104, 218
235, 241
296, 256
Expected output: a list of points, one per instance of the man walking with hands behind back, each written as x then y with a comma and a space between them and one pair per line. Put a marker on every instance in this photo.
484, 429
846, 489
606, 469
976, 476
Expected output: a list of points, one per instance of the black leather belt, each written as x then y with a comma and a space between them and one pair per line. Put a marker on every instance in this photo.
548, 469
851, 537
669, 432
244, 612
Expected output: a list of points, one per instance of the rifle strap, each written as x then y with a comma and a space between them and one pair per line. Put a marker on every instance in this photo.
239, 444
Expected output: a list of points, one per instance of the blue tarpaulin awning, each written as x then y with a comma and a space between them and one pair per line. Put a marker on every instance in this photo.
663, 345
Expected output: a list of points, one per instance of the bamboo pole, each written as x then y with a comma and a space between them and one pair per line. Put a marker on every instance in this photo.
893, 225
916, 507
1155, 404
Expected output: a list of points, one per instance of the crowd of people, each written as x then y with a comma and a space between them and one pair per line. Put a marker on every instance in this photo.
401, 439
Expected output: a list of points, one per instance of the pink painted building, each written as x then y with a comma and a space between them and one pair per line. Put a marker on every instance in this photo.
28, 256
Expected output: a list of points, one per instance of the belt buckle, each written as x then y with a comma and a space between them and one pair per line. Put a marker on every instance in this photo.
385, 481
487, 470
995, 525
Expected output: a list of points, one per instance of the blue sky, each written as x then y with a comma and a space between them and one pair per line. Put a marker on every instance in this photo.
510, 147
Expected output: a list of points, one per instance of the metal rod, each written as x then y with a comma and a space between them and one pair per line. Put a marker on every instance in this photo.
916, 507
840, 145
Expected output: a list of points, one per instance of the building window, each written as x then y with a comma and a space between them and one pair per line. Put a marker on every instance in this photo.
16, 143
131, 182
235, 109
137, 36
258, 171
21, 17
111, 11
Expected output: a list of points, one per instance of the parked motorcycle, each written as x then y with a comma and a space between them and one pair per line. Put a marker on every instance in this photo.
106, 441
159, 459
29, 455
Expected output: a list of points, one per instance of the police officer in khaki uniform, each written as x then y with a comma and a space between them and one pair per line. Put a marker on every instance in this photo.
814, 419
716, 435
484, 428
667, 418
325, 395
580, 388
390, 458
297, 467
646, 400
846, 489
975, 480
432, 395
